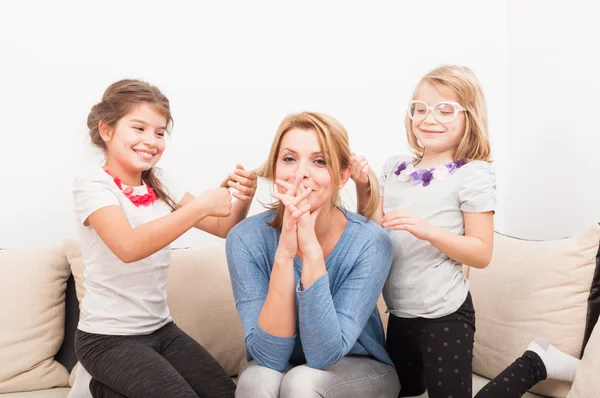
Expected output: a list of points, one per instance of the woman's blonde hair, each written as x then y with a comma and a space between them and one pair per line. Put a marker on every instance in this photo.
462, 81
333, 141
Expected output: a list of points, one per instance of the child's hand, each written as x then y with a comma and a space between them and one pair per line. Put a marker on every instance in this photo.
360, 168
216, 202
403, 220
244, 182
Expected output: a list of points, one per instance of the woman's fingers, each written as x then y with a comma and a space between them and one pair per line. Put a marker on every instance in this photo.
302, 210
293, 199
283, 184
290, 187
286, 200
304, 194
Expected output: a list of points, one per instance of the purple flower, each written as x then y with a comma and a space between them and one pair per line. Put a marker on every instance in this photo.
422, 176
400, 168
427, 177
460, 163
452, 167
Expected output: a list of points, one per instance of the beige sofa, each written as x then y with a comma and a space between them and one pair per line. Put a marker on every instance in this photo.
531, 289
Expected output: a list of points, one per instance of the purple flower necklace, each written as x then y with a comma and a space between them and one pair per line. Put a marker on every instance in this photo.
407, 172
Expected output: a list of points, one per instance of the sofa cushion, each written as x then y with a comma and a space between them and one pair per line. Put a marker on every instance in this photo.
50, 393
533, 289
32, 290
200, 299
201, 303
587, 379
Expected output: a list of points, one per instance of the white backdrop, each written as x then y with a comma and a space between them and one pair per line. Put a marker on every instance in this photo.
232, 71
552, 172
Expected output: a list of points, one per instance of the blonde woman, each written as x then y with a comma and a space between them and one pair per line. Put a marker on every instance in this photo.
307, 274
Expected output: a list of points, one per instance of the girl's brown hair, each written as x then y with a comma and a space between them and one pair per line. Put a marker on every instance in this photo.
462, 81
118, 100
333, 140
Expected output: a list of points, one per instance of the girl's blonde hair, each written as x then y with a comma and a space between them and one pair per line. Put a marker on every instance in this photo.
118, 100
333, 141
462, 81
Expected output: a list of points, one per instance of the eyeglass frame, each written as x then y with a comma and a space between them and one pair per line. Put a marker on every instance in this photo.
457, 108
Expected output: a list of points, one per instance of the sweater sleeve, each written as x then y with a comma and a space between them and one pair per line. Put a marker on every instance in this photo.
330, 325
250, 283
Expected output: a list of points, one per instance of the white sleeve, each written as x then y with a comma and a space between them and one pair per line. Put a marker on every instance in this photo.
388, 169
477, 190
92, 192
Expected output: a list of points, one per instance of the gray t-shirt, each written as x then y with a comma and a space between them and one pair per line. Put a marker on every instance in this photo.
423, 281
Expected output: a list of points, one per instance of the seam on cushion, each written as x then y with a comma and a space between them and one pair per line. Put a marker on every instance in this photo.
530, 240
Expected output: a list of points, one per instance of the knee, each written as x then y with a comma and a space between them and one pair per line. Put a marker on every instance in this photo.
300, 382
257, 381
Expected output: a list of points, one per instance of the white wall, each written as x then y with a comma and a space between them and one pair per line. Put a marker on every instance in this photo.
552, 173
232, 71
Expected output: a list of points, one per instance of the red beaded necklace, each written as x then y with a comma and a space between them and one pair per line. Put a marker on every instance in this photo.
138, 200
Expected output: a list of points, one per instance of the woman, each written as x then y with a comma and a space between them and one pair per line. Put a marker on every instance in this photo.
307, 274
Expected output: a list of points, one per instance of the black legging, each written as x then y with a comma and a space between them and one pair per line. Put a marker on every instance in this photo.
437, 354
434, 354
166, 363
517, 379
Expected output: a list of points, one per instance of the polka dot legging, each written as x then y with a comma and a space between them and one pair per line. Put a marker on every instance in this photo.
436, 355
515, 380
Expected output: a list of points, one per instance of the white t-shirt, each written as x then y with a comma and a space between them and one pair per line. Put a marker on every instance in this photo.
423, 281
120, 299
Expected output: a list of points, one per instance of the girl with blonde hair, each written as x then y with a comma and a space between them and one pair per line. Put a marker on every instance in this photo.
438, 204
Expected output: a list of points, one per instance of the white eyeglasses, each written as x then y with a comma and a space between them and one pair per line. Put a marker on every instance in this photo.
443, 112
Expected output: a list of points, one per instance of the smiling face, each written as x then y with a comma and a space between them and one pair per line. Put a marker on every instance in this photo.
436, 137
137, 141
314, 146
300, 156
